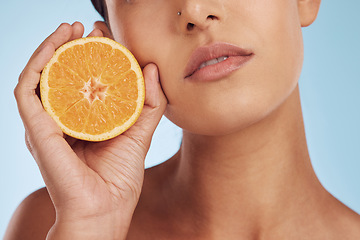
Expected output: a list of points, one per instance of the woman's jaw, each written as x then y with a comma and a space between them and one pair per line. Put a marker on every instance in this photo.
211, 91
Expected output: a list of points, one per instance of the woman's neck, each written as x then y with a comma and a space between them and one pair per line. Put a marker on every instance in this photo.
257, 178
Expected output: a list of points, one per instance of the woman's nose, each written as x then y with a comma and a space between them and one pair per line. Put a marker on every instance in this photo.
199, 14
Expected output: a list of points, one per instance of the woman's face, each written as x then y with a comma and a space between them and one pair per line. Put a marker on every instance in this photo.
249, 88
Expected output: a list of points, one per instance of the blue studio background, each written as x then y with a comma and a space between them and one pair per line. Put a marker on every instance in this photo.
330, 85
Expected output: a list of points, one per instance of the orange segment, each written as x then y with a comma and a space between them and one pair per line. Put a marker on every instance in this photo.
98, 120
118, 64
75, 59
93, 88
120, 110
61, 76
98, 55
63, 98
125, 87
76, 116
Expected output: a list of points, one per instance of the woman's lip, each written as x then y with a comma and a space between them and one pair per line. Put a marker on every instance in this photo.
236, 57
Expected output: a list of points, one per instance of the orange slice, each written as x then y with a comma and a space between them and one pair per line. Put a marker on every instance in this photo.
93, 88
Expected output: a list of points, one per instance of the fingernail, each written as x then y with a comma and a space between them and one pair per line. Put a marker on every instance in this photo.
156, 74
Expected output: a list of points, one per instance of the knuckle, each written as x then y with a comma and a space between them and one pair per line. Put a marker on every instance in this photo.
20, 92
21, 75
17, 91
28, 143
18, 87
139, 141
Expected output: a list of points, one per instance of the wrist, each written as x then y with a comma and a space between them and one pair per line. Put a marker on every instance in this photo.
89, 229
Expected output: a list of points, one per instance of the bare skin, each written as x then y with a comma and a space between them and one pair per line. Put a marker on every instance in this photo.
242, 172
219, 196
226, 197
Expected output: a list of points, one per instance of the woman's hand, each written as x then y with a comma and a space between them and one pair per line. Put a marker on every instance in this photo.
94, 187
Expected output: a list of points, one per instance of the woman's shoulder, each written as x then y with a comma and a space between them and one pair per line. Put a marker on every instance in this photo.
35, 215
33, 218
347, 222
333, 220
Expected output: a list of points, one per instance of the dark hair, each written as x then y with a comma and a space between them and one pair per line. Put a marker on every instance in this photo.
100, 7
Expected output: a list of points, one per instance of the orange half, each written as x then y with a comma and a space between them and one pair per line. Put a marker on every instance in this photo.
93, 88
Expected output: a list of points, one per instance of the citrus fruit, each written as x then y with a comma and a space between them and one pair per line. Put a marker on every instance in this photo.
93, 88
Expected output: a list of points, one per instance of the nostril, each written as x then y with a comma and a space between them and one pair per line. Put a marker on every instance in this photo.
212, 17
190, 26
201, 24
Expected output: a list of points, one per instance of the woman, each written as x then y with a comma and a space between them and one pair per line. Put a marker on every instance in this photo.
226, 71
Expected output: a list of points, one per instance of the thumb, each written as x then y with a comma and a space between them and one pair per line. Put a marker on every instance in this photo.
154, 107
154, 97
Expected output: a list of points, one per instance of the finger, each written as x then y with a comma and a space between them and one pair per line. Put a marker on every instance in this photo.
96, 33
25, 92
104, 28
154, 98
70, 140
28, 102
60, 36
77, 31
47, 48
44, 138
